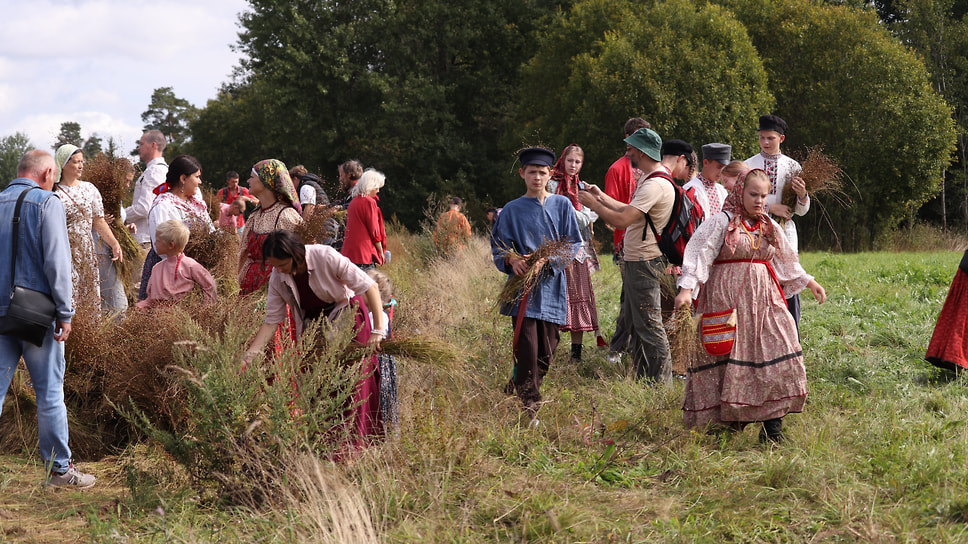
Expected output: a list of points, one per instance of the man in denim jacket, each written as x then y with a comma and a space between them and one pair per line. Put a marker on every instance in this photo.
43, 264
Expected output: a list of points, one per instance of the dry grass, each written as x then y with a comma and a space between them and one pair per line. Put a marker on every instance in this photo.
685, 342
108, 176
820, 174
549, 251
218, 251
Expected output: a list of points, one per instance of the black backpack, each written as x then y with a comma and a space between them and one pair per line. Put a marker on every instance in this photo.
687, 215
312, 180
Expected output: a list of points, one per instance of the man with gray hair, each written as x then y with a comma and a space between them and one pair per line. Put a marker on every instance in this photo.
43, 263
150, 147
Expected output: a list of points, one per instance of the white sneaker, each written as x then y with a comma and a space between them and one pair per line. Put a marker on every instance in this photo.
614, 357
72, 477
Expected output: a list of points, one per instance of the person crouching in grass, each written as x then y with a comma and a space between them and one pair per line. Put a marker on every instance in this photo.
177, 274
524, 226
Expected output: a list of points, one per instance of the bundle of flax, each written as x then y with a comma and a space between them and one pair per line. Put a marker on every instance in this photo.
551, 250
320, 226
820, 175
685, 341
109, 177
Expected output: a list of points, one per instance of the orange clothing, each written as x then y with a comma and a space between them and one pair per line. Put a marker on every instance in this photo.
452, 232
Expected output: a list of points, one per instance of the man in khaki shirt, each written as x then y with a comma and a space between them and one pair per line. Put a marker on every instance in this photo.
644, 263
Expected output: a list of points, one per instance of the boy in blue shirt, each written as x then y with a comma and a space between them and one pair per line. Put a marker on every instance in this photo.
523, 226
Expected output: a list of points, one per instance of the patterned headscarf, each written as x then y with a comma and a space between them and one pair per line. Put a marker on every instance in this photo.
567, 185
61, 156
734, 205
274, 175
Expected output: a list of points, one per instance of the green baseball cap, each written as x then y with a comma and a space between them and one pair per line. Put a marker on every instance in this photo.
647, 141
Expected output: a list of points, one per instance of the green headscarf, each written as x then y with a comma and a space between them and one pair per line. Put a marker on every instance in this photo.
61, 156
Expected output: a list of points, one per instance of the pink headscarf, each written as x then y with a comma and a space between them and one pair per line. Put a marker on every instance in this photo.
734, 205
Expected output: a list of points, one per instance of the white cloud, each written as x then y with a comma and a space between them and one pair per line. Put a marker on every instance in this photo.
98, 61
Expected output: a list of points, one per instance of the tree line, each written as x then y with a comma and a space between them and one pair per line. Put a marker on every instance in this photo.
439, 94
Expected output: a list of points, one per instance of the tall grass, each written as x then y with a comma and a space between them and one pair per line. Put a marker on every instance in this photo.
880, 453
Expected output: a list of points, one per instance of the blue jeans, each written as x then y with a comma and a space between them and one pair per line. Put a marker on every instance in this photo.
46, 367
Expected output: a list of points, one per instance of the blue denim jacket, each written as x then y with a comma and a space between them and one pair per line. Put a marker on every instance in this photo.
44, 252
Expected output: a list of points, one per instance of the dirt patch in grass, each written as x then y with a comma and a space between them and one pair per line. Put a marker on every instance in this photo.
32, 512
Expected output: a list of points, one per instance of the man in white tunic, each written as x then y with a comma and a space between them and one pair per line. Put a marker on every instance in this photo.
782, 170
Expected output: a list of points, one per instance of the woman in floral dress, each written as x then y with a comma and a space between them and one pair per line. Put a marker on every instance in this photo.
177, 199
741, 260
85, 212
278, 209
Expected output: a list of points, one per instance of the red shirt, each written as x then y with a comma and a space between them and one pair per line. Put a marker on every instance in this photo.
364, 228
620, 185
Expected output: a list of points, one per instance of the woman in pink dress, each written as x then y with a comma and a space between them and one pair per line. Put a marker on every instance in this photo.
742, 261
278, 209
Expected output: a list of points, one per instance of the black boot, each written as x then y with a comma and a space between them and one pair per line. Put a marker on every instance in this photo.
772, 431
576, 352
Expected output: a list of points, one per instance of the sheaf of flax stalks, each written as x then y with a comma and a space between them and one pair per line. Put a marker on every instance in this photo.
218, 251
320, 227
556, 250
685, 341
820, 174
108, 176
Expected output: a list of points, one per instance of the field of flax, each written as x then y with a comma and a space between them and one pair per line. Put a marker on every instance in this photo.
880, 453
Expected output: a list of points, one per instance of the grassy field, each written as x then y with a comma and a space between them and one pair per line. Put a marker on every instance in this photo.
880, 453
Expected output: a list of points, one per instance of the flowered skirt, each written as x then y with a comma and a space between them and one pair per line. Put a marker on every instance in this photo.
763, 377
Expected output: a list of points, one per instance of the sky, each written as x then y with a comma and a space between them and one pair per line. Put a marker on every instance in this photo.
97, 62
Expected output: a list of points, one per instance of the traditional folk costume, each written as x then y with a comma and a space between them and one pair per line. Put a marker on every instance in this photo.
167, 206
741, 262
709, 194
781, 169
582, 308
82, 203
174, 278
523, 226
283, 214
949, 343
330, 286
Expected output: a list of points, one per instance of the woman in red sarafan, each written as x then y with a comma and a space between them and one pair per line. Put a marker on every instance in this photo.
278, 209
742, 261
582, 309
366, 238
949, 343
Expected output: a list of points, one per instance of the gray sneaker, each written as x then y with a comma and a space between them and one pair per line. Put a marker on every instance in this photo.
72, 477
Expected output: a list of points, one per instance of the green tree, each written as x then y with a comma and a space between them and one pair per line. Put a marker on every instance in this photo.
420, 89
12, 148
842, 80
688, 68
70, 133
938, 31
171, 115
92, 146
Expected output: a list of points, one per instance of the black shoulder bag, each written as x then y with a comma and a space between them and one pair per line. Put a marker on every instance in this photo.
30, 313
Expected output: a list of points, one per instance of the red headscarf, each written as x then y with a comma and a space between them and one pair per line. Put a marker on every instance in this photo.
734, 205
567, 185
